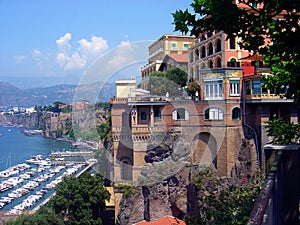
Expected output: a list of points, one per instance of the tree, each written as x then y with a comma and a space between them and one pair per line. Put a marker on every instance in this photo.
177, 75
269, 28
172, 81
80, 200
44, 215
283, 132
192, 88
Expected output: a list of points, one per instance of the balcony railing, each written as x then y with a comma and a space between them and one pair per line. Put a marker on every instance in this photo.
118, 101
278, 202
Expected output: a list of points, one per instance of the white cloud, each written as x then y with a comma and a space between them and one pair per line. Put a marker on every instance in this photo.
87, 51
20, 58
75, 61
96, 47
63, 42
36, 53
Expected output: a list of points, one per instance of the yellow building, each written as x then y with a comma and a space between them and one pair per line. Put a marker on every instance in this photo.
166, 45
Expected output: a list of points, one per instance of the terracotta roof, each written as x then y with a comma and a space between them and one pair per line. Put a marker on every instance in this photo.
167, 220
179, 57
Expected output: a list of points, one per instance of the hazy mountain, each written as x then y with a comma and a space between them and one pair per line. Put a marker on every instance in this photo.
11, 96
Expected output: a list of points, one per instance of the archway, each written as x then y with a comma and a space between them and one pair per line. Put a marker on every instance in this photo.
204, 149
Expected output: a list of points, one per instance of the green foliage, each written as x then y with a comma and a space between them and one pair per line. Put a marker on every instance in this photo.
177, 75
282, 132
192, 88
275, 39
104, 131
44, 215
103, 105
127, 189
222, 201
160, 83
80, 200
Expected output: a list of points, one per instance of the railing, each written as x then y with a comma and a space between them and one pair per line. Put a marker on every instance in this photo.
118, 100
278, 202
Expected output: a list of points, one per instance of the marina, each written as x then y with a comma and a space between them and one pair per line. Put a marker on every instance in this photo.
35, 184
31, 167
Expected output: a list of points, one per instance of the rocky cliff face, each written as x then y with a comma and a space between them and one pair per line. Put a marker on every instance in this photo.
27, 120
167, 185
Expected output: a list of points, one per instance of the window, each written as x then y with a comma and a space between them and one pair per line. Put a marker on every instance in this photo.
143, 116
233, 63
232, 43
256, 87
213, 114
174, 46
203, 37
157, 114
257, 63
218, 62
197, 54
248, 89
213, 90
210, 49
203, 54
180, 114
234, 87
185, 46
236, 114
210, 64
218, 45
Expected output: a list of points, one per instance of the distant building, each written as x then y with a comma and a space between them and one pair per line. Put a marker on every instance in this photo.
167, 44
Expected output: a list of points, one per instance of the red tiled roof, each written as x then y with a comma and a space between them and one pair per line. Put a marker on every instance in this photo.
167, 220
179, 57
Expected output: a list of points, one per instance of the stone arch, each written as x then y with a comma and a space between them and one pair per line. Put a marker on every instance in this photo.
218, 62
204, 149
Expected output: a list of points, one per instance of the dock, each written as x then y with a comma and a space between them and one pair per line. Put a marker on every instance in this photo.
70, 154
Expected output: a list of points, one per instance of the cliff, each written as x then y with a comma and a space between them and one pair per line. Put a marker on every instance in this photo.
171, 186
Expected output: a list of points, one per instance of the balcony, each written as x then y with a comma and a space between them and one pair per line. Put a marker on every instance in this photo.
118, 101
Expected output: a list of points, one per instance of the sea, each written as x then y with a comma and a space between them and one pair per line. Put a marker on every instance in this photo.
16, 147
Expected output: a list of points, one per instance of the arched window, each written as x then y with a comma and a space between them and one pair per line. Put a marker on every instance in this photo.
218, 45
210, 64
180, 114
197, 54
218, 62
233, 63
202, 37
236, 113
213, 113
210, 49
203, 53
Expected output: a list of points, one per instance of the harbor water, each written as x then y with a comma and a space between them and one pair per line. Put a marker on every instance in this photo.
17, 148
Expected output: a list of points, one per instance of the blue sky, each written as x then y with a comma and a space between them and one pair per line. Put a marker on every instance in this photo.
58, 38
